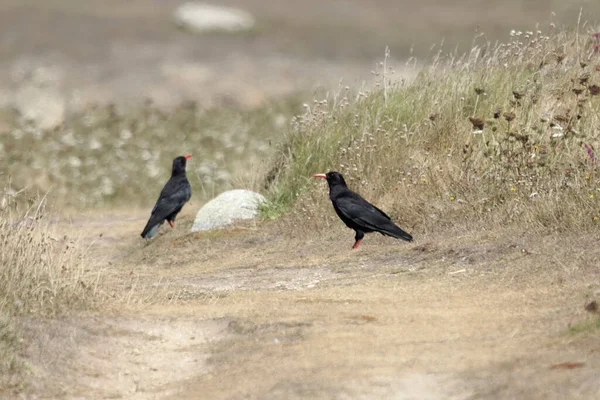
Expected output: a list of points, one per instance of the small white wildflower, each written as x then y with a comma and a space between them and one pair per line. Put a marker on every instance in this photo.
95, 144
38, 133
69, 138
17, 134
222, 176
74, 162
279, 120
126, 134
153, 170
107, 187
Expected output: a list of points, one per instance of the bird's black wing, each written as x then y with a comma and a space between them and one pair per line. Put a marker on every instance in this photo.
168, 204
366, 215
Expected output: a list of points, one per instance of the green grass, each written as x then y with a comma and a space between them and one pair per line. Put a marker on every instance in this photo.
587, 325
413, 149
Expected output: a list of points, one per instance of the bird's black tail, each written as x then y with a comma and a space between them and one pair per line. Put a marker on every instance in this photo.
395, 231
151, 229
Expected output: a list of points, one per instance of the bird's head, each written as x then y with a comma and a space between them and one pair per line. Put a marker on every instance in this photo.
333, 178
179, 164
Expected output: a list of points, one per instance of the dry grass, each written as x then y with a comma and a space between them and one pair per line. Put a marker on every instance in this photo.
40, 275
495, 137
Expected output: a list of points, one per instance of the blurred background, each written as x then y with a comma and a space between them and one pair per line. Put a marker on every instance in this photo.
97, 97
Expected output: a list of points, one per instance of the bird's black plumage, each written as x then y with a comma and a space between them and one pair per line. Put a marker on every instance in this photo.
357, 213
176, 192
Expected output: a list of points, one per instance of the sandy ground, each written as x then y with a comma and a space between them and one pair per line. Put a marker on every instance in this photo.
254, 313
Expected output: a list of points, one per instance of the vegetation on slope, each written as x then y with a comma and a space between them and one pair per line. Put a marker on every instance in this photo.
505, 134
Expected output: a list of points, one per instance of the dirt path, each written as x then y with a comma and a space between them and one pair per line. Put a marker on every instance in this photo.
255, 314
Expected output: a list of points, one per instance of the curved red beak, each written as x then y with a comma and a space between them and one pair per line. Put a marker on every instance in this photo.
187, 156
320, 176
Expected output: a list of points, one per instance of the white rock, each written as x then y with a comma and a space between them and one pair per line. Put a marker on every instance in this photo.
226, 208
201, 18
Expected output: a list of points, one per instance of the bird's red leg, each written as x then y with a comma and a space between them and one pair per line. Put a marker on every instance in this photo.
356, 244
172, 223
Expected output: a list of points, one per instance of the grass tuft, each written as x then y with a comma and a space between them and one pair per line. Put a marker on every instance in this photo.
587, 325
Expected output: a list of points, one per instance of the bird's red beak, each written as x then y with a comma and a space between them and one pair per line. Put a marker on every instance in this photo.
320, 176
187, 156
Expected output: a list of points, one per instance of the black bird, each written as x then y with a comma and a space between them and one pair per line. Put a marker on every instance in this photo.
357, 213
174, 195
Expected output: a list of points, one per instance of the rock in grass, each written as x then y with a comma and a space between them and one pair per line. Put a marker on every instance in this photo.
202, 18
226, 208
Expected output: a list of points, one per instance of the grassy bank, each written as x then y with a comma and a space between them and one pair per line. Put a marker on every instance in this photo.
502, 135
